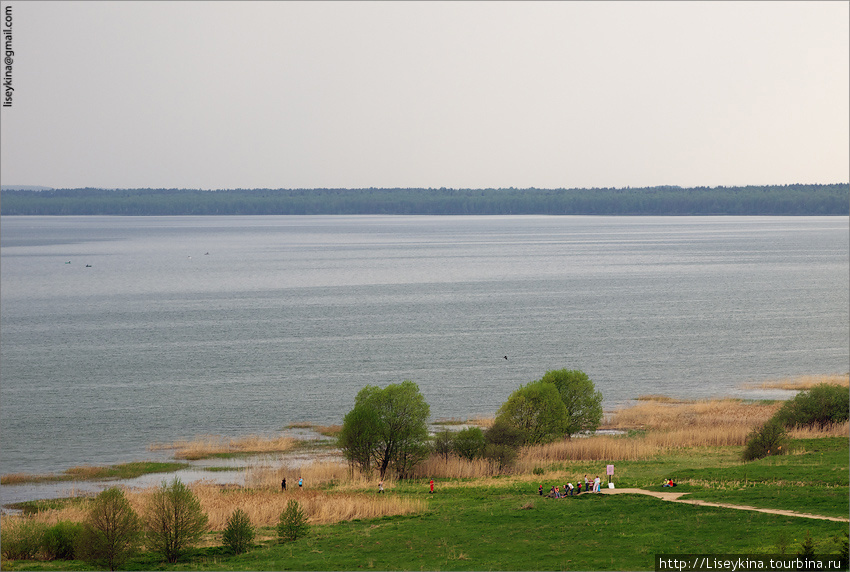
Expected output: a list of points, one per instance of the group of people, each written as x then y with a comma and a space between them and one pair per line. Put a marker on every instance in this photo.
569, 490
300, 483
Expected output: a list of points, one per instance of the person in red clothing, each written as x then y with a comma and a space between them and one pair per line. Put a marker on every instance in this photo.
432, 486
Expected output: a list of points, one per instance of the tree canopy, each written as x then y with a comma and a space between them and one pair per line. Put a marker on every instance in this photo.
581, 400
387, 428
562, 402
537, 410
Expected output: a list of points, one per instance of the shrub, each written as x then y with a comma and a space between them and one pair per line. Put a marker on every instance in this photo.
444, 443
239, 534
292, 523
769, 439
111, 532
538, 471
469, 443
174, 520
22, 538
821, 406
60, 540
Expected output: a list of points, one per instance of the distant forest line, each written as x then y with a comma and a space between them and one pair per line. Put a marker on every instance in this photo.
795, 199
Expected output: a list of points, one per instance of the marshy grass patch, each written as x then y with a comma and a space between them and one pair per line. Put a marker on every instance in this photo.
801, 382
207, 446
94, 473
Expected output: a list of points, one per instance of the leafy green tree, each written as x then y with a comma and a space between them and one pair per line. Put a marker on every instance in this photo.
537, 410
581, 400
112, 530
469, 443
359, 436
822, 405
174, 520
389, 424
239, 533
292, 523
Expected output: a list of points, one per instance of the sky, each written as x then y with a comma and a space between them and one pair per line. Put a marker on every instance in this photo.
481, 94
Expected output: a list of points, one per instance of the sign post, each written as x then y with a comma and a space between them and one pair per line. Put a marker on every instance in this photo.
610, 474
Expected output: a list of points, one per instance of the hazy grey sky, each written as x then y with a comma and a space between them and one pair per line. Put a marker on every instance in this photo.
427, 94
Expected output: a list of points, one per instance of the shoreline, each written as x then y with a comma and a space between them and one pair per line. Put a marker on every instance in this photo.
307, 443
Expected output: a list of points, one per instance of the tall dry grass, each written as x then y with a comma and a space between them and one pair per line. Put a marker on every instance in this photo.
803, 382
436, 466
263, 506
704, 414
209, 445
833, 430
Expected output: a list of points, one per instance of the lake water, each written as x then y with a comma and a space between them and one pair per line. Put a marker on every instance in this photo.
185, 326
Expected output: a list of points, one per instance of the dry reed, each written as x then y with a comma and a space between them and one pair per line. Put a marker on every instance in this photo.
436, 466
209, 445
803, 382
694, 414
263, 507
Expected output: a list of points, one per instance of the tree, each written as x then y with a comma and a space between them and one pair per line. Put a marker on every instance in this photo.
292, 522
502, 443
444, 443
537, 410
821, 406
469, 443
390, 425
174, 520
582, 402
238, 534
112, 530
359, 436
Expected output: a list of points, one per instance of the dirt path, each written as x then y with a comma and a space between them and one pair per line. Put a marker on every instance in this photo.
675, 497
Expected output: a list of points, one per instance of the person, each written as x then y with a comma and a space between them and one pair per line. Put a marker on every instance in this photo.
570, 489
283, 484
579, 487
300, 482
540, 490
432, 486
596, 484
586, 485
380, 486
670, 483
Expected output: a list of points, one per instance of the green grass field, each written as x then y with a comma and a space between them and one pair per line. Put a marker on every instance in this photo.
503, 524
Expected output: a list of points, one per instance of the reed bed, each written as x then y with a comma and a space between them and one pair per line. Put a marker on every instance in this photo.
314, 474
703, 414
211, 445
833, 430
263, 507
803, 382
436, 466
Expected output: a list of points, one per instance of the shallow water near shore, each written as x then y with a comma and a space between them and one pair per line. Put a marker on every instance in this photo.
188, 326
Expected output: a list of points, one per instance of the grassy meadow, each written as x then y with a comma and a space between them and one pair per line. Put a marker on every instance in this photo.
480, 519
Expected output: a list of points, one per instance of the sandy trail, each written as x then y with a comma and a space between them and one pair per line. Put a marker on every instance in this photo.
676, 497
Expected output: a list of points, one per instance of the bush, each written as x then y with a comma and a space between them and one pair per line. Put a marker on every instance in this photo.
538, 471
469, 443
60, 540
174, 520
444, 443
292, 523
22, 538
820, 406
111, 532
239, 534
769, 439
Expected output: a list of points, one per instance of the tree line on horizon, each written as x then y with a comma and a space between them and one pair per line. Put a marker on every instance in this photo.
794, 199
